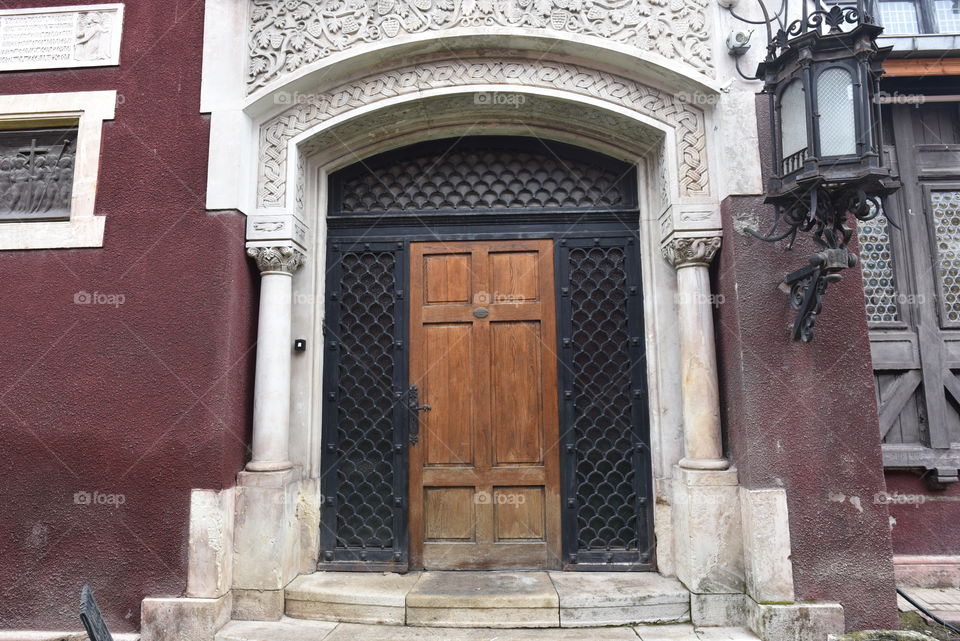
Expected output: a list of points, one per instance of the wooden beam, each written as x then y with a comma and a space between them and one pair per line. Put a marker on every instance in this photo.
921, 67
897, 396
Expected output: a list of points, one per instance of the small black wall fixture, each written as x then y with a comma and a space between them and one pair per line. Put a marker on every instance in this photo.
821, 74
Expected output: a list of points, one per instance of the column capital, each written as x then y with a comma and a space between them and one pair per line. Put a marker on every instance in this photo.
688, 252
277, 259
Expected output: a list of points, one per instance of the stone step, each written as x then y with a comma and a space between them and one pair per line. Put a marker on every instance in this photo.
289, 629
489, 599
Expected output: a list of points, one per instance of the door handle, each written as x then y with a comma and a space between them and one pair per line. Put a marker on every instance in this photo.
414, 406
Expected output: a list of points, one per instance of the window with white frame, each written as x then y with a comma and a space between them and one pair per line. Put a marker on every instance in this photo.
49, 168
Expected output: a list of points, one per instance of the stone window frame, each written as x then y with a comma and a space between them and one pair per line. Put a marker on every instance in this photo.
88, 110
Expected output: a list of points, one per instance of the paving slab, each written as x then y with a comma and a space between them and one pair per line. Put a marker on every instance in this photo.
726, 634
673, 632
360, 597
357, 632
282, 630
484, 599
619, 598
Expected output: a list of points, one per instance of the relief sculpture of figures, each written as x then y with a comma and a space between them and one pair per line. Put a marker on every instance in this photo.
93, 37
36, 180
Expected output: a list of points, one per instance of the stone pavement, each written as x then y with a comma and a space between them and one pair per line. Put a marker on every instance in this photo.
300, 630
943, 602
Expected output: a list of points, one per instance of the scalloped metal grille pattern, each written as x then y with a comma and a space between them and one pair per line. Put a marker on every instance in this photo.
607, 516
472, 177
946, 219
877, 271
366, 402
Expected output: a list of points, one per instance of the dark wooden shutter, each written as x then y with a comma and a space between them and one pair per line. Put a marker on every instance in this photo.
912, 286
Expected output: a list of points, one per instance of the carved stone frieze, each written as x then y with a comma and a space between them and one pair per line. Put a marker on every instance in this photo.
285, 35
686, 119
277, 259
687, 252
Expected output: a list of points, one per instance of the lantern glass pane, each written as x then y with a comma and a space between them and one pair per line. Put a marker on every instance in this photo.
838, 127
793, 120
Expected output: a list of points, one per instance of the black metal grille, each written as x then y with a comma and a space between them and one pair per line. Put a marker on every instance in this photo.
605, 422
362, 520
483, 173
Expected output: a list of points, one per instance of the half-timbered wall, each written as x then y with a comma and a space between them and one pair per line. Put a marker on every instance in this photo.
911, 278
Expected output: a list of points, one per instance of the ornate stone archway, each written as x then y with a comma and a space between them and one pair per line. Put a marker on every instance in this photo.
622, 95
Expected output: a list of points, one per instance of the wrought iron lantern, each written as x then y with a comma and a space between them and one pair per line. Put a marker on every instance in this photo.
821, 74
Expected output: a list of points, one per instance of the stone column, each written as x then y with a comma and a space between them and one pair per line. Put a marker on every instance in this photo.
703, 446
271, 400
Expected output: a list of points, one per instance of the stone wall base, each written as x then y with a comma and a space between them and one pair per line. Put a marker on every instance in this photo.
795, 621
257, 605
707, 532
719, 610
183, 619
927, 571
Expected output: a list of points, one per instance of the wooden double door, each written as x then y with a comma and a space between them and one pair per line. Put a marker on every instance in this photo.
484, 477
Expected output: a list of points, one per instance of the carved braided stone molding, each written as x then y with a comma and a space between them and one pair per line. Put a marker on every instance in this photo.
684, 118
285, 35
688, 252
277, 259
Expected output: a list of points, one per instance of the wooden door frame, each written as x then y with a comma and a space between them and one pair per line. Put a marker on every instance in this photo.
602, 230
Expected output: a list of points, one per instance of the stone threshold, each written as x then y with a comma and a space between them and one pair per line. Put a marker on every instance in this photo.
288, 629
489, 599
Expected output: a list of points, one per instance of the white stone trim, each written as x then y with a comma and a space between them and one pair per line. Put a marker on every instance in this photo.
766, 545
90, 109
210, 558
222, 89
115, 34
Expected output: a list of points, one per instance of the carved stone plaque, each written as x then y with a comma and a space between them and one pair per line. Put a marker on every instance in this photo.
77, 36
36, 173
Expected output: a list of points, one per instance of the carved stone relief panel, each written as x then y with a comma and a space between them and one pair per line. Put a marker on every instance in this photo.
685, 120
285, 35
59, 37
36, 173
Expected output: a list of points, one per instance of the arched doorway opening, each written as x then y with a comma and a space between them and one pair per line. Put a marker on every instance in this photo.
484, 389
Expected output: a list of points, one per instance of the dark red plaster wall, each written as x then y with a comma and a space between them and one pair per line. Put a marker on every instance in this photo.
927, 521
803, 417
147, 399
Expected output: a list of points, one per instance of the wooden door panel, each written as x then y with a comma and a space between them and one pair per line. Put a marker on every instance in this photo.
514, 276
447, 279
516, 393
447, 431
484, 478
519, 513
449, 514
